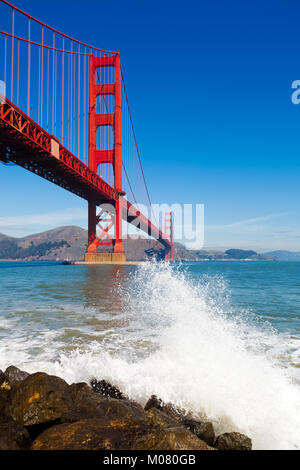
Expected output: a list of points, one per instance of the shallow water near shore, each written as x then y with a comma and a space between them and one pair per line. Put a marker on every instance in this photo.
221, 340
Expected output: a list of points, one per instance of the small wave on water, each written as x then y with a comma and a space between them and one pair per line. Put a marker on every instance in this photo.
183, 343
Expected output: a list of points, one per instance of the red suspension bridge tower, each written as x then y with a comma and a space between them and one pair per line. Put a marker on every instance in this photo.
112, 156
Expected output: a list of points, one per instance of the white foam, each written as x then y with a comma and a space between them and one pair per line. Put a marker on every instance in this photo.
181, 342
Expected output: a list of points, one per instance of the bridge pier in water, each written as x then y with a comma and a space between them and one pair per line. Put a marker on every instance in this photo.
105, 258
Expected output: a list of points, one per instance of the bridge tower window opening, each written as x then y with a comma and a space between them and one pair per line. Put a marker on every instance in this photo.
105, 75
105, 104
105, 138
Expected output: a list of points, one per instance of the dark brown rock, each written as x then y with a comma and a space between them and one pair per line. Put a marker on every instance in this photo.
106, 389
79, 391
167, 408
105, 409
177, 438
159, 418
40, 398
233, 441
13, 437
4, 404
4, 382
115, 409
202, 429
154, 402
91, 434
15, 375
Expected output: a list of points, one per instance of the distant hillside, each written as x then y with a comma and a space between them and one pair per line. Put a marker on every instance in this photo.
57, 244
233, 254
283, 255
67, 243
70, 242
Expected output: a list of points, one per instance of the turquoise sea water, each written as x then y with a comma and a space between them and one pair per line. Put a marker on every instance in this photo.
218, 338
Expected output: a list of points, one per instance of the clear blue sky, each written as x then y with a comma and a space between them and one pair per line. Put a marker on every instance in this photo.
209, 83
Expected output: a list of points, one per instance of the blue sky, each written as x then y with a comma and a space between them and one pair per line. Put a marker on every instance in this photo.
209, 84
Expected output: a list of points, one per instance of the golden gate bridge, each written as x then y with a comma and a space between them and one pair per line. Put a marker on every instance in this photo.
65, 116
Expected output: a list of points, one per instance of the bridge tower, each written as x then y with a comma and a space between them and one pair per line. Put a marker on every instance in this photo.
113, 214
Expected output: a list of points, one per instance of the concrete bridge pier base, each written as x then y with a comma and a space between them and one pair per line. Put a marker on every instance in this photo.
105, 258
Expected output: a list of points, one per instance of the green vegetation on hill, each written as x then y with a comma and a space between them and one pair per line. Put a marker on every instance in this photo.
9, 249
240, 254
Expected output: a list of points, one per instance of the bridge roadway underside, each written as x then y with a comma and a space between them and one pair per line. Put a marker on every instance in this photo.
20, 151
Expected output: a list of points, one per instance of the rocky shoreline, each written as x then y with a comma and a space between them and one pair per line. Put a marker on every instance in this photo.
42, 412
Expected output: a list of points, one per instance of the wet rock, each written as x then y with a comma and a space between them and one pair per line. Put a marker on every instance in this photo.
233, 441
167, 408
4, 405
15, 375
115, 409
106, 389
79, 391
105, 409
204, 430
13, 437
4, 382
91, 434
177, 438
40, 398
11, 377
154, 402
159, 418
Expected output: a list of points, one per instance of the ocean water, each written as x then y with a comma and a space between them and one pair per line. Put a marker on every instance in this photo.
220, 339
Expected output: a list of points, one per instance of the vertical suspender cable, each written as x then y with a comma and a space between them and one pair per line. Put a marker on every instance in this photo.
29, 64
12, 54
84, 107
42, 77
5, 59
18, 73
74, 105
39, 88
48, 80
62, 90
55, 91
71, 98
136, 146
53, 66
78, 101
68, 115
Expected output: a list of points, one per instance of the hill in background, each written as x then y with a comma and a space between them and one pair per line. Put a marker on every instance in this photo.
70, 242
61, 243
284, 255
66, 243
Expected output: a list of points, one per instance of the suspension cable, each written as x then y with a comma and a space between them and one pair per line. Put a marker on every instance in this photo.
136, 145
43, 45
106, 107
53, 29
